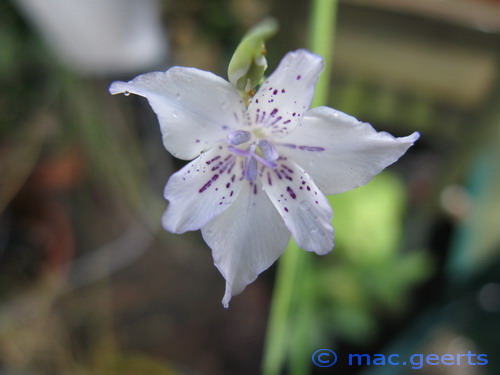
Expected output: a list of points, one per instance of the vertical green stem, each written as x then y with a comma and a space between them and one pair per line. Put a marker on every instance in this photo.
278, 330
321, 40
291, 273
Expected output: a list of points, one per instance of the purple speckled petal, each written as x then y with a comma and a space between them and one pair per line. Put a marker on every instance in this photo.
246, 239
195, 108
305, 210
287, 94
202, 190
339, 152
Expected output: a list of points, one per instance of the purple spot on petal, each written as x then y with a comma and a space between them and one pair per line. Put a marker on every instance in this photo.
278, 119
214, 159
311, 148
291, 192
207, 185
283, 91
286, 209
273, 113
299, 77
275, 92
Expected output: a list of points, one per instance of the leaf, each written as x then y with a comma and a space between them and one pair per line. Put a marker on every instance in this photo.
248, 64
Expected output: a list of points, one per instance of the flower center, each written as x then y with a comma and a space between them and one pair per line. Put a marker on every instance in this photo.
260, 150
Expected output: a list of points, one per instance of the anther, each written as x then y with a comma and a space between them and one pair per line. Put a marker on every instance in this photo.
238, 137
269, 152
250, 168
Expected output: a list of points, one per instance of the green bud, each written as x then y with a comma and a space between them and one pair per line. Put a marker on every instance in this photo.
248, 64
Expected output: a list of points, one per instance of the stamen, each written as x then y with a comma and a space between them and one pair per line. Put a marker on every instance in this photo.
239, 151
268, 150
267, 163
238, 137
250, 168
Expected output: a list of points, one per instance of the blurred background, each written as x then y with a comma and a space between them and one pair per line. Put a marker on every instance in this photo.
91, 284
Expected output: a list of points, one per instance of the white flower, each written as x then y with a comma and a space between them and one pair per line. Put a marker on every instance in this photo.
260, 172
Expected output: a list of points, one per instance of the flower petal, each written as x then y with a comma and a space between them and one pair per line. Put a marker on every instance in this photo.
287, 93
339, 152
202, 190
196, 109
304, 208
246, 239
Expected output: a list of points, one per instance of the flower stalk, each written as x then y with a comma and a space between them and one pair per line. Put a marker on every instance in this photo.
295, 265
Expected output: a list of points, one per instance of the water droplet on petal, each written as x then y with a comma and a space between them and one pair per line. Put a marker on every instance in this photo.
126, 93
175, 114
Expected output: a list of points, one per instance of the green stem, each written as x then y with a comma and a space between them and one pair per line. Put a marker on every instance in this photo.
289, 278
321, 40
278, 330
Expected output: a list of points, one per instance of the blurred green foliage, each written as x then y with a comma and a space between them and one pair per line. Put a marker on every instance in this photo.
371, 274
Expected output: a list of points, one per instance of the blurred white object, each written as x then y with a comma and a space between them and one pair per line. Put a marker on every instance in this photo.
101, 36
